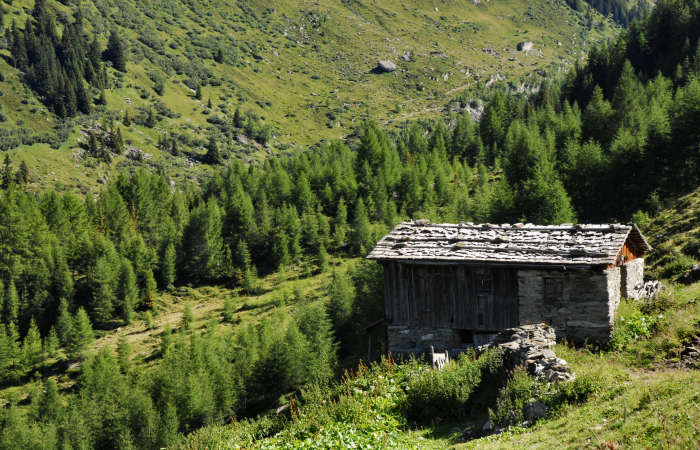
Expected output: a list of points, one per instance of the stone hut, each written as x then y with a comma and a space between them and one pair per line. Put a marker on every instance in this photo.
457, 285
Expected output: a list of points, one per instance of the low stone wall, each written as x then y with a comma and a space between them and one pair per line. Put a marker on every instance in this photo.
632, 277
531, 346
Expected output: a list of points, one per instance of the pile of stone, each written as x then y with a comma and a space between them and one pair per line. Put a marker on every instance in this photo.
531, 345
647, 290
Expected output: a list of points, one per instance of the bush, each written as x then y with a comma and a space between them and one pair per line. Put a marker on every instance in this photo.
519, 390
632, 324
576, 391
522, 389
446, 393
692, 247
677, 266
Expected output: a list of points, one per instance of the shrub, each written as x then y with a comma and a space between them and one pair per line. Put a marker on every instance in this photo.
519, 390
632, 324
576, 391
446, 393
677, 266
692, 247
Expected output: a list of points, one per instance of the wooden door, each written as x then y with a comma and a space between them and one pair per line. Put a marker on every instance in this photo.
435, 305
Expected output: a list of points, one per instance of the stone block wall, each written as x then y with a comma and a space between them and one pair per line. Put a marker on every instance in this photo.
632, 276
582, 312
614, 276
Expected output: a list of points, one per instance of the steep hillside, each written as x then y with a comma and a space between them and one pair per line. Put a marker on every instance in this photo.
303, 70
675, 234
622, 11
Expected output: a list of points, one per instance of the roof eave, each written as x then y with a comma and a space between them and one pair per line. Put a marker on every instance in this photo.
505, 264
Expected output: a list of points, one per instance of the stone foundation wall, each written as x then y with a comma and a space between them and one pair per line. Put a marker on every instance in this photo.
632, 276
416, 340
582, 312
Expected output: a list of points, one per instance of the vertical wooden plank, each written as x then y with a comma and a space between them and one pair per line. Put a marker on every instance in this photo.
505, 311
388, 294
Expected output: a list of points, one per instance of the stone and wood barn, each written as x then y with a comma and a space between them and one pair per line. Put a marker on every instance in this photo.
455, 285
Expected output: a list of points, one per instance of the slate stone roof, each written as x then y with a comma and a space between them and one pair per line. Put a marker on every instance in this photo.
517, 244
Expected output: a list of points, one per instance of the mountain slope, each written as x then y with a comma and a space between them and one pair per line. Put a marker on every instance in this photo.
305, 69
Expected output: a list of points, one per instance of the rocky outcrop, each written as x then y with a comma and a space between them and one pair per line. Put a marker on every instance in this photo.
525, 46
385, 66
531, 345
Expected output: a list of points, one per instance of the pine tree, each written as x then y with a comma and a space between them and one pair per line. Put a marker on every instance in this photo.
64, 323
81, 333
187, 317
31, 346
102, 289
322, 258
51, 343
115, 52
148, 320
50, 405
126, 120
167, 269
6, 172
82, 99
340, 229
213, 154
218, 55
11, 310
361, 239
117, 141
150, 118
169, 425
238, 118
13, 362
203, 244
166, 339
124, 355
23, 174
198, 92
228, 310
281, 249
341, 294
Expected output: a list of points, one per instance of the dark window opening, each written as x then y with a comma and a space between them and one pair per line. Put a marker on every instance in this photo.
553, 289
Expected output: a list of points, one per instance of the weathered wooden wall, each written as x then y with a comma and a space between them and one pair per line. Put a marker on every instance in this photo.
451, 296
